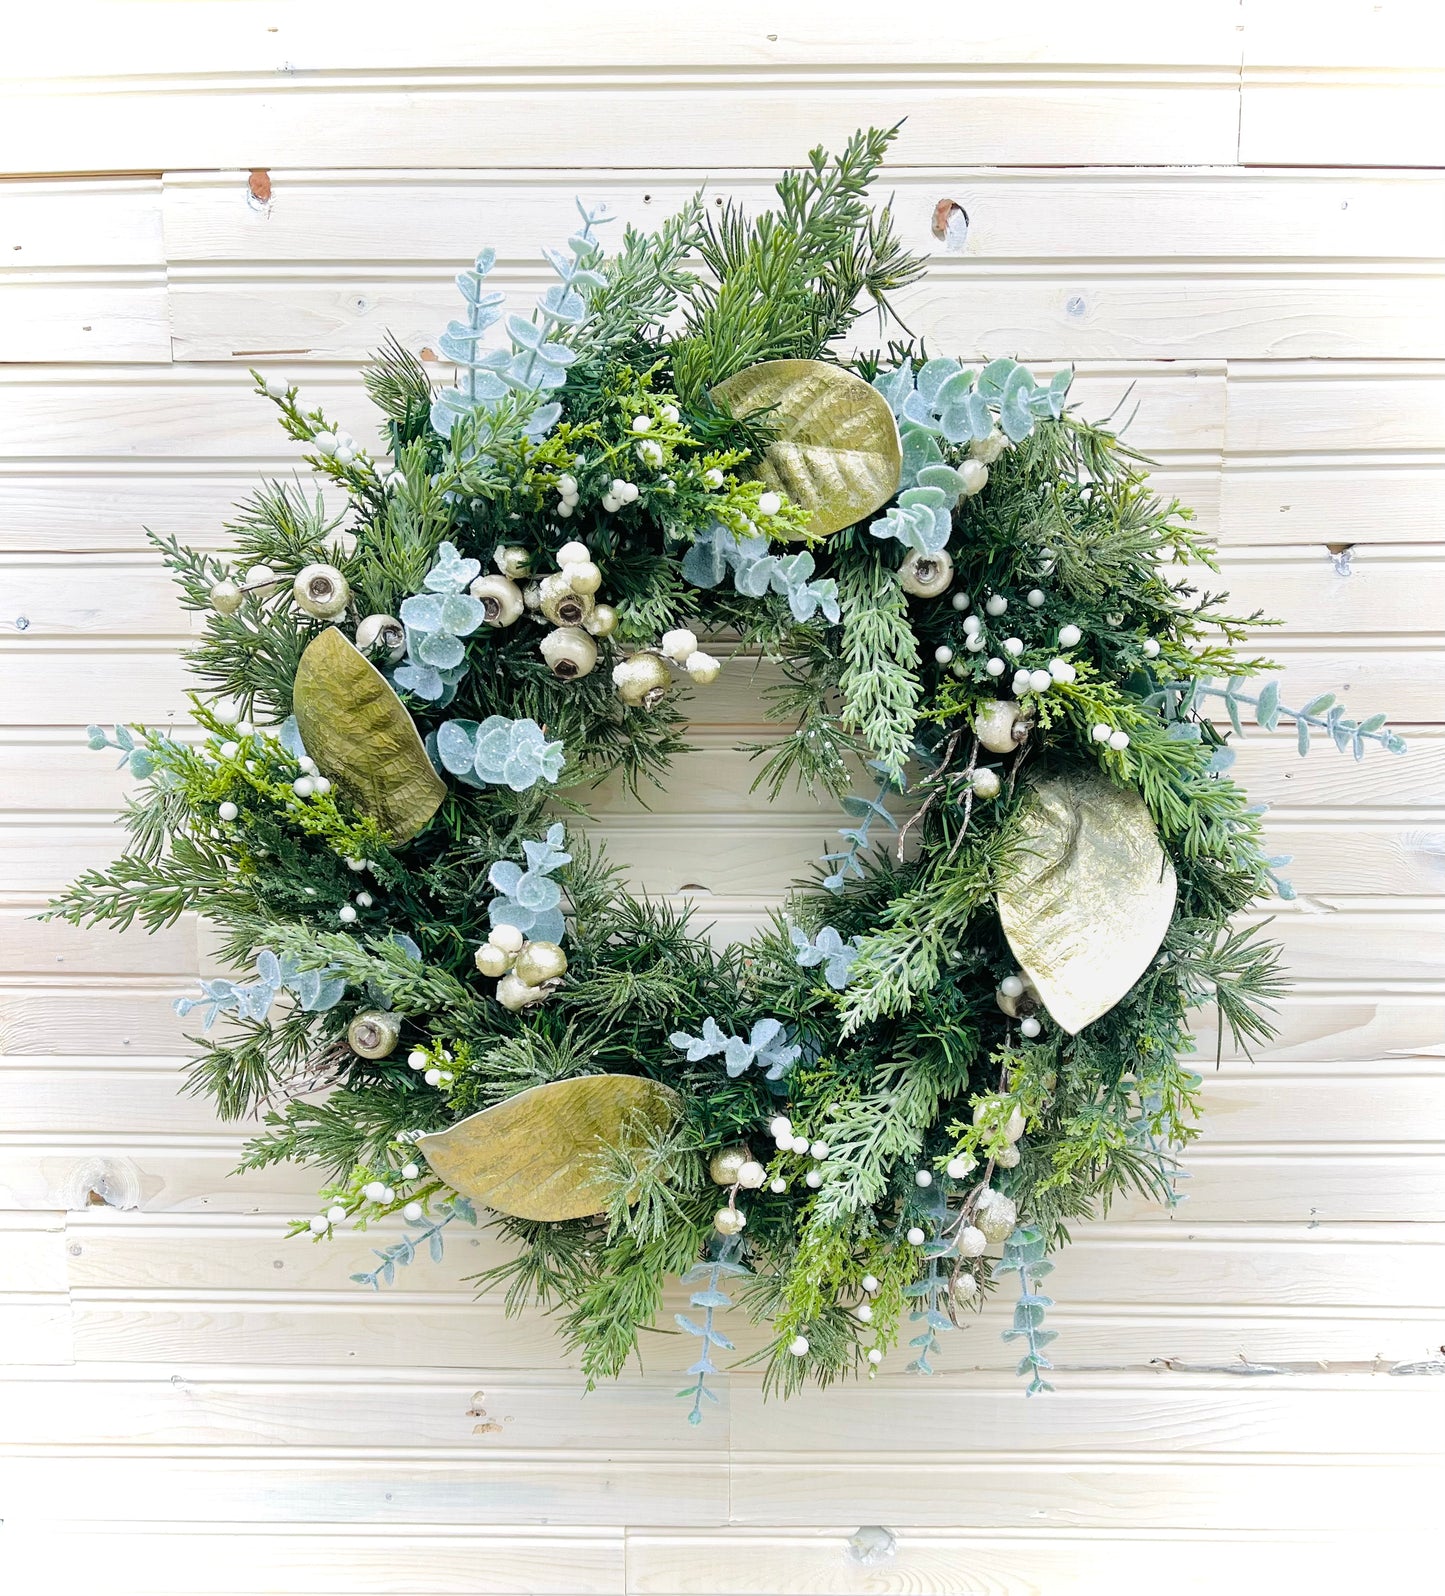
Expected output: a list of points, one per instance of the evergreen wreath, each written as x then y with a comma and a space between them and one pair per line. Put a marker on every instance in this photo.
969, 1029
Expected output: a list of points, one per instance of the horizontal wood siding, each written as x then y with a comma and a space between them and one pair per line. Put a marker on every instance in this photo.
1229, 218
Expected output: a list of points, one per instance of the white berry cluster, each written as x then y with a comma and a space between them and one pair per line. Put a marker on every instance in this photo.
788, 1140
379, 1193
1018, 997
431, 1067
526, 972
642, 680
568, 599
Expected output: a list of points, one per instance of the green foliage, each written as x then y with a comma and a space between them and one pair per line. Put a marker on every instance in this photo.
892, 1064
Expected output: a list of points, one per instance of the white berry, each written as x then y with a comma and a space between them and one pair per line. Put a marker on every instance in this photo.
972, 624
321, 784
364, 900
798, 1346
813, 1178
959, 1167
1151, 648
346, 914
801, 1144
819, 1149
769, 503
410, 1171
1011, 986
679, 644
1030, 1027
1069, 636
1013, 647
433, 1076
573, 553
997, 604
277, 387
303, 786
924, 1177
751, 1174
506, 937
943, 653
319, 1225
1119, 741
870, 1283
713, 478
995, 666
875, 1356
649, 453
863, 1312
642, 423
1041, 680
412, 1212
416, 1059
915, 1236
1102, 733
1035, 597
336, 1215
374, 1191
780, 1125
777, 1184
1061, 671
960, 601
671, 413
228, 811
972, 1243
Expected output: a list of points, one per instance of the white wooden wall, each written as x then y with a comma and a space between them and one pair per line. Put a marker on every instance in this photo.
1234, 207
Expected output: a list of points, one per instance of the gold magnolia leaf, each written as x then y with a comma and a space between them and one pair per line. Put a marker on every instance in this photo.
360, 735
535, 1156
837, 450
1089, 897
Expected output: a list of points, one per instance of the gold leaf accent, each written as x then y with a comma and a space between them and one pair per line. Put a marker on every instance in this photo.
1089, 898
837, 450
360, 735
535, 1156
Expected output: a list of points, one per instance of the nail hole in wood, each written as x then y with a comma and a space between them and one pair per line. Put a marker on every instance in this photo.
950, 225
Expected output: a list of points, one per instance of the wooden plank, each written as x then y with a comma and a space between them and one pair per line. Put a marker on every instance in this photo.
147, 37
1166, 1261
760, 117
1205, 214
302, 1491
83, 270
269, 1413
974, 309
87, 317
1034, 1559
1296, 408
85, 223
393, 1332
1353, 33
1329, 499
243, 1560
1349, 117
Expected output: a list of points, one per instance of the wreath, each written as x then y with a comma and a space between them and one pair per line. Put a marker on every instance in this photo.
968, 1029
